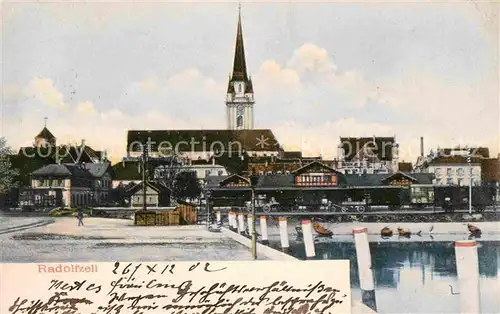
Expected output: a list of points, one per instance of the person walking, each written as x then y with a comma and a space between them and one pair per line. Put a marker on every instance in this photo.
80, 217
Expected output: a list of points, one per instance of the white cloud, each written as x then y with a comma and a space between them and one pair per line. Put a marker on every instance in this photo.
86, 108
273, 78
311, 58
43, 90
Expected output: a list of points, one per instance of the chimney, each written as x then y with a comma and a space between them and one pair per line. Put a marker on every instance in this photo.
83, 142
421, 146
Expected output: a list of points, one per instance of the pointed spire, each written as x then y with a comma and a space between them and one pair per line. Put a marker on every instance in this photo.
239, 65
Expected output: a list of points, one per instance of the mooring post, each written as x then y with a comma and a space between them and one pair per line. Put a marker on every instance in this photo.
468, 276
263, 230
364, 260
219, 220
230, 218
285, 245
241, 223
308, 238
250, 224
235, 222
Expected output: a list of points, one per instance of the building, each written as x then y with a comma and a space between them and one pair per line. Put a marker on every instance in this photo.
317, 184
237, 140
45, 151
157, 195
369, 155
451, 165
68, 185
455, 171
128, 171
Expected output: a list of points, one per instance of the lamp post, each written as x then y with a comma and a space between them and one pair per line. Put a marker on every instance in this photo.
208, 194
469, 161
254, 179
144, 159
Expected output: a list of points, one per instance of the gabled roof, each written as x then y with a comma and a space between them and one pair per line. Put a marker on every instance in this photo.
158, 187
63, 170
399, 175
312, 164
233, 178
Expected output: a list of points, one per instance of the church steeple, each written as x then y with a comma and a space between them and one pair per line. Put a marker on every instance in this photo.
239, 64
239, 99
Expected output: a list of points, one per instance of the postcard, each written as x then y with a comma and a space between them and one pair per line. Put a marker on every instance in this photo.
249, 157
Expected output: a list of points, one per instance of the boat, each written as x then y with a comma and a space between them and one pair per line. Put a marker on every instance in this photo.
322, 231
386, 232
475, 232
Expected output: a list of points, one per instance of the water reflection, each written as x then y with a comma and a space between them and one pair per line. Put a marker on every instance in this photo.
435, 258
415, 276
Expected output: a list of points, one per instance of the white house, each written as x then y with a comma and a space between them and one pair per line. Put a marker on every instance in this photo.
455, 173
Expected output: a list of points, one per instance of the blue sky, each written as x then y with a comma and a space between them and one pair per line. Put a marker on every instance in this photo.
320, 71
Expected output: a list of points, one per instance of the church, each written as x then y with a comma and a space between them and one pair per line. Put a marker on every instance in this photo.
240, 138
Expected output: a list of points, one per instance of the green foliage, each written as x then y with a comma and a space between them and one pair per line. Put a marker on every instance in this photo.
186, 185
7, 172
119, 194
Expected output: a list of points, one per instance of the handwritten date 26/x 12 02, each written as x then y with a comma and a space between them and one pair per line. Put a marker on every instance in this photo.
187, 288
130, 269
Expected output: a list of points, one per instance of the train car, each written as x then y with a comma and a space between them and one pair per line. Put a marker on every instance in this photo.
421, 195
451, 198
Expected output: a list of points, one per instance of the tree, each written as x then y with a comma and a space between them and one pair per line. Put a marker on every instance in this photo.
7, 172
186, 185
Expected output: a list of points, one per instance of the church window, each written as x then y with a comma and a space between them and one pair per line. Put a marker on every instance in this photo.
239, 121
239, 88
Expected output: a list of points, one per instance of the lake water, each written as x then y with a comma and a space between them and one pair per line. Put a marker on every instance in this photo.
415, 277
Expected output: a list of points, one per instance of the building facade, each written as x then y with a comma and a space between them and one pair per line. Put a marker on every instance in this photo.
68, 185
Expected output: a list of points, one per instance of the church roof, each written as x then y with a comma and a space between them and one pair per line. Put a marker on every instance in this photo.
46, 134
204, 140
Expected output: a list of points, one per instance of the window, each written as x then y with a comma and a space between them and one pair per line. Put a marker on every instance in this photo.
239, 121
460, 172
207, 173
220, 173
449, 172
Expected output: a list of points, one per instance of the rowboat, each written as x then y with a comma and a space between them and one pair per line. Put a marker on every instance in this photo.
322, 231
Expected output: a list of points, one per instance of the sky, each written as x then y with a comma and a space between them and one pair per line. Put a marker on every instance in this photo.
320, 71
